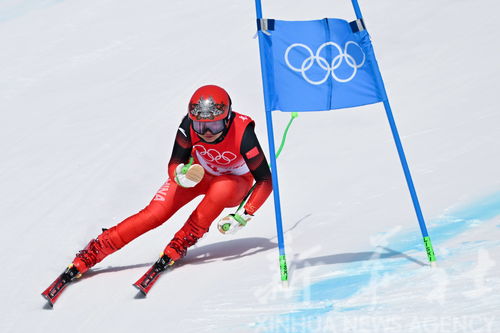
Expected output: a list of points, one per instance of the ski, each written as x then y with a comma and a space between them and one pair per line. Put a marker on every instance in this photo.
52, 293
146, 282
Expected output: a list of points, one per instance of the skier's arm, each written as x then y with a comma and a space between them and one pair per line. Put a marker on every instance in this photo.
257, 163
182, 147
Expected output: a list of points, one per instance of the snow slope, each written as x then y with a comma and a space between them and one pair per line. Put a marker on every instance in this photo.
91, 94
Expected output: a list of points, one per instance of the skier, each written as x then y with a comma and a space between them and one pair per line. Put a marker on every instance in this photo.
227, 159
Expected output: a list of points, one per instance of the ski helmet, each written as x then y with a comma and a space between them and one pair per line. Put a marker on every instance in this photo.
209, 103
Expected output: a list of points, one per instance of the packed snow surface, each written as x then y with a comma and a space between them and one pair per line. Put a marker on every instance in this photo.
92, 92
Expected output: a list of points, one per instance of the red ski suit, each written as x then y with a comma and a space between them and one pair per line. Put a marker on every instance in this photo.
231, 164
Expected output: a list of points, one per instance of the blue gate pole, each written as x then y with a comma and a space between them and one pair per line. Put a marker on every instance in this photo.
272, 157
427, 240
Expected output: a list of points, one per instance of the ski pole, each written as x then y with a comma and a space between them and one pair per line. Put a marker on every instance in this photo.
185, 168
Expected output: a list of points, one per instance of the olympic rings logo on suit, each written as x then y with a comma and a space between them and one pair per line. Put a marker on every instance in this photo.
213, 155
329, 67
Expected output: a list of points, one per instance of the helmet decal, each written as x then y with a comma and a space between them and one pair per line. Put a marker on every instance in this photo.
209, 103
206, 109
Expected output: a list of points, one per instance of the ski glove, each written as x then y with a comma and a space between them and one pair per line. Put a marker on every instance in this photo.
189, 175
233, 222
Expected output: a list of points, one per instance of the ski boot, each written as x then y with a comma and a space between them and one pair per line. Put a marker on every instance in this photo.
189, 234
97, 249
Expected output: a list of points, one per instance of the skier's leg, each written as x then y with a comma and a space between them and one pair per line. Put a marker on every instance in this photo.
170, 198
223, 192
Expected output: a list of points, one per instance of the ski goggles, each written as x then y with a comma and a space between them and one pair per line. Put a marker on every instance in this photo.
215, 127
